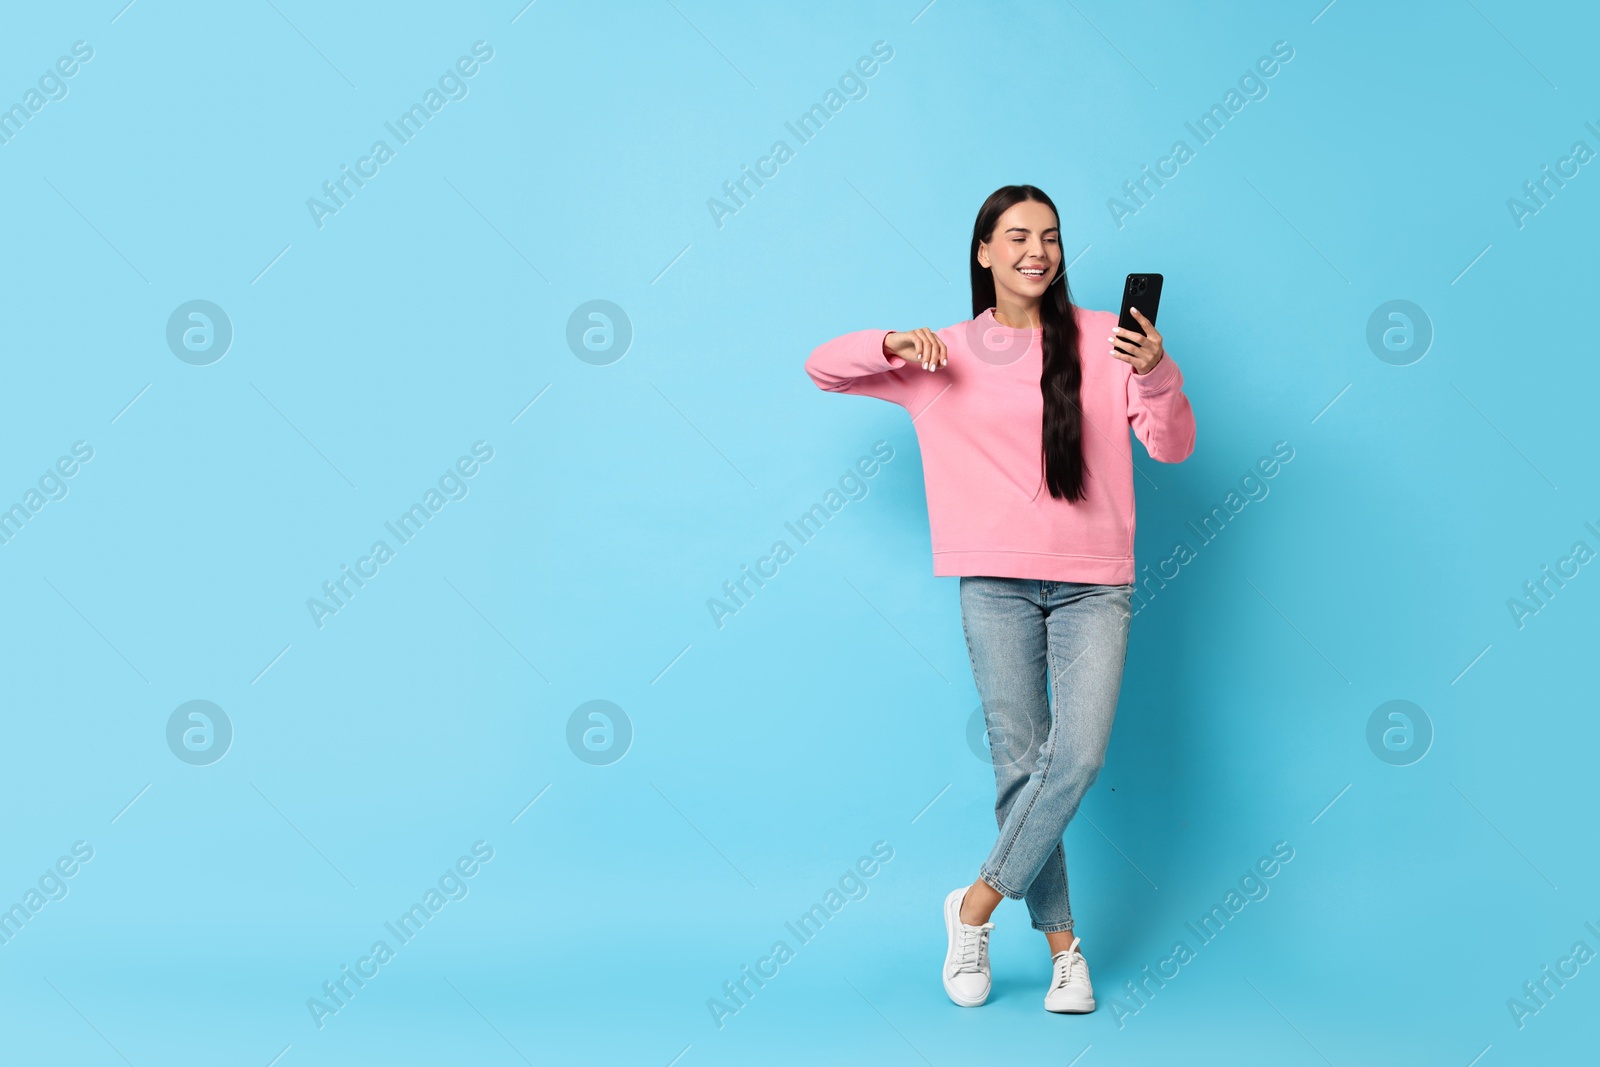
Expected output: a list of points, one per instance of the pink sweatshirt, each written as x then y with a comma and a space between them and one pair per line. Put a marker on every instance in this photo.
978, 421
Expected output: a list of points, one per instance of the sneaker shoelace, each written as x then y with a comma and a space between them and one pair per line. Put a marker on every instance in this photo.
972, 946
1068, 964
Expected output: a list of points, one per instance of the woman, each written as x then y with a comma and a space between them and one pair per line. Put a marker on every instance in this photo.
1022, 417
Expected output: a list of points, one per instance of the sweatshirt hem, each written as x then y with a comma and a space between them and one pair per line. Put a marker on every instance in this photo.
1044, 566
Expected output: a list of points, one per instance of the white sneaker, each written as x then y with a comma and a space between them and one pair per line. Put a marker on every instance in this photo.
1070, 990
966, 958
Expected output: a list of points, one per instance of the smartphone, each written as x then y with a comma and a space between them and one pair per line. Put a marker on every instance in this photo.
1143, 291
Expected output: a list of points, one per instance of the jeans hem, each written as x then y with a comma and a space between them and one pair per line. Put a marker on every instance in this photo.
1055, 928
994, 883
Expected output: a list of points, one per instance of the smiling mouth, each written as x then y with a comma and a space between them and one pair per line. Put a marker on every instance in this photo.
1031, 272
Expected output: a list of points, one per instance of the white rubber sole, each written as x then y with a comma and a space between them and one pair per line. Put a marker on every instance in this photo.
1076, 1007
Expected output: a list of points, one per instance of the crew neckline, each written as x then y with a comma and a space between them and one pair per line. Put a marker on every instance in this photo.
997, 324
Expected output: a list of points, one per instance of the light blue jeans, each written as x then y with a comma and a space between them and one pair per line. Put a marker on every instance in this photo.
1031, 641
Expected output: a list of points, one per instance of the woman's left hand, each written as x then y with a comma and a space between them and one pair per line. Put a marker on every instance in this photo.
1141, 351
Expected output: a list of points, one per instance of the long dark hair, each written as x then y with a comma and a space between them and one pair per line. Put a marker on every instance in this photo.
1061, 447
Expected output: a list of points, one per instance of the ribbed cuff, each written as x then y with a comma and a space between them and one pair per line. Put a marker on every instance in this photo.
894, 362
1160, 377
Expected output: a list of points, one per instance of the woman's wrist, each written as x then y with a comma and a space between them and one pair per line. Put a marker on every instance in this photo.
1153, 366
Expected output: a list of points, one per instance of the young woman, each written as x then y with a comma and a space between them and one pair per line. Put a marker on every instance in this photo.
1022, 416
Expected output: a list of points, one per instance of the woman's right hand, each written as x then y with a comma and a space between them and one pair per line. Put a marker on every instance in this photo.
921, 345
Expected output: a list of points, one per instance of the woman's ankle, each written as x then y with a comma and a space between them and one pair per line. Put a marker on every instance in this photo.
1061, 940
979, 903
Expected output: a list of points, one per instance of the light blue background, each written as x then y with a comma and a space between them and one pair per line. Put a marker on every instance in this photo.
827, 714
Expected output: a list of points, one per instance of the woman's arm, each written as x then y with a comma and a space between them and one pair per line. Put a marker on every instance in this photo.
859, 363
1157, 408
1160, 413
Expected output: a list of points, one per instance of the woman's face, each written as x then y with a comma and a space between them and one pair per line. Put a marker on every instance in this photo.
1024, 252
